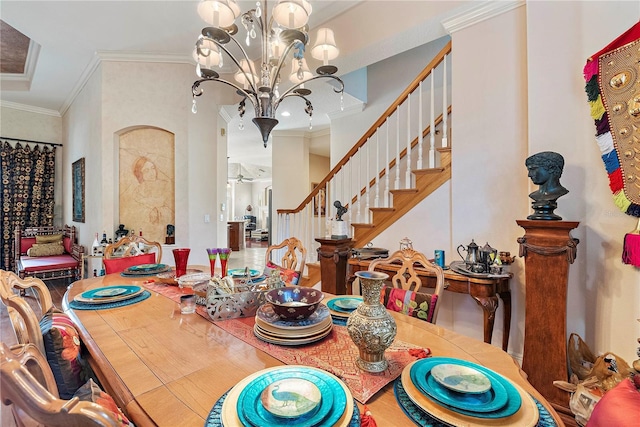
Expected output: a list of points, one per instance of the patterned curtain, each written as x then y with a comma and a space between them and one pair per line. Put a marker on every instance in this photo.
26, 191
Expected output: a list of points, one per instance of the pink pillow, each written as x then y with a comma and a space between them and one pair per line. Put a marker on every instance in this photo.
117, 265
617, 406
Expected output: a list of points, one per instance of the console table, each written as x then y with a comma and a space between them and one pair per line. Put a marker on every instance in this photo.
484, 291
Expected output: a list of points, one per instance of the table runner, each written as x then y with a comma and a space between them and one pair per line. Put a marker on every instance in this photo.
336, 353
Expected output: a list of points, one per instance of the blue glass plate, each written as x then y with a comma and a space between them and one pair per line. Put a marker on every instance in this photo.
329, 410
420, 374
110, 292
337, 307
266, 313
489, 401
239, 272
145, 267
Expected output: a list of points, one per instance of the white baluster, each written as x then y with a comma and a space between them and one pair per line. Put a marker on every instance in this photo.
445, 107
432, 128
376, 202
367, 193
397, 183
387, 202
407, 178
358, 181
420, 128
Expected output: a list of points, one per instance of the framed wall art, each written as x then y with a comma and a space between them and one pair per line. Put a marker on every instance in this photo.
77, 180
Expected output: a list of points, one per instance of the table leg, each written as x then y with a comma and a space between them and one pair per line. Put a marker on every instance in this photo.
489, 306
506, 327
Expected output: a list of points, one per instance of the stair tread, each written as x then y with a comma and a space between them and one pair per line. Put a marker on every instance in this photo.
362, 225
382, 209
427, 171
404, 190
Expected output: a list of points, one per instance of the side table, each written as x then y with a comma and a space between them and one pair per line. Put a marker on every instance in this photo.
88, 260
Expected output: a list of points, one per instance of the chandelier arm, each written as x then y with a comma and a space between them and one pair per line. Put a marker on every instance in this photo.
251, 81
291, 89
251, 96
281, 62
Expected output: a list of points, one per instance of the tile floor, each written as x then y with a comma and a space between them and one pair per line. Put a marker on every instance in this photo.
252, 256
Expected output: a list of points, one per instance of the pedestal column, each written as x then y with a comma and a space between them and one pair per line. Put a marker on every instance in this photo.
548, 250
333, 255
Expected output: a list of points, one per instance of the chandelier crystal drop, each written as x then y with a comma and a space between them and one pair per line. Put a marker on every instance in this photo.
283, 35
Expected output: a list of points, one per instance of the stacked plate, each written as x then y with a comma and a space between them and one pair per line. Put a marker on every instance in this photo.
109, 294
239, 273
289, 396
341, 307
270, 328
458, 392
145, 270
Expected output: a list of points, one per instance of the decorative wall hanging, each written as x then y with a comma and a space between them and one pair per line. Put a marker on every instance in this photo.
613, 92
77, 179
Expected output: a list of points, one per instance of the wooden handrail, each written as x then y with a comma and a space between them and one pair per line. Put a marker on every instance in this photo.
389, 111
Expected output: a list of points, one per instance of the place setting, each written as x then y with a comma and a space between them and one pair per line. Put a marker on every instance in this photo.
455, 392
292, 395
144, 270
292, 316
341, 307
109, 297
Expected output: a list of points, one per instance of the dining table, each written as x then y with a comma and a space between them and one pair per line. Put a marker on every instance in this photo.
165, 368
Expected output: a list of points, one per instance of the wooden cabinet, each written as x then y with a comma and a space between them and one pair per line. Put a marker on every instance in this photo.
235, 235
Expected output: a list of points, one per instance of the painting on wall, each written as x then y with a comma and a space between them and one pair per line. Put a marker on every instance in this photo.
319, 204
147, 182
77, 181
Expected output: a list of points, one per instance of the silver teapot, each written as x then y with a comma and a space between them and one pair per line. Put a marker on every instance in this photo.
473, 254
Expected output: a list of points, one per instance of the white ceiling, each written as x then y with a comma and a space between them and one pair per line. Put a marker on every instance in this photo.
74, 35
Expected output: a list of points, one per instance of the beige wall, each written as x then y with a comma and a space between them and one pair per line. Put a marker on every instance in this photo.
319, 167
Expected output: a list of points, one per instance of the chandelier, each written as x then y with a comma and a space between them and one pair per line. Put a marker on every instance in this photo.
285, 32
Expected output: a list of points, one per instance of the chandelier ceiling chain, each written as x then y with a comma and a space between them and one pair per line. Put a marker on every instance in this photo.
286, 31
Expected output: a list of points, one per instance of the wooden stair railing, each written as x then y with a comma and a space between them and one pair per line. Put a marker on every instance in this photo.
358, 183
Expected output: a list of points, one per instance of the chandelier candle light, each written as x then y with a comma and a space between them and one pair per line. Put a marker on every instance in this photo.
286, 31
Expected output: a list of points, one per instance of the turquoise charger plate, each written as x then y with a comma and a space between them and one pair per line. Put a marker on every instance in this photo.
332, 304
110, 292
252, 412
145, 267
239, 272
505, 399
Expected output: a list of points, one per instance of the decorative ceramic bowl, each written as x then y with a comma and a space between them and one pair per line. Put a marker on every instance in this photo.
294, 302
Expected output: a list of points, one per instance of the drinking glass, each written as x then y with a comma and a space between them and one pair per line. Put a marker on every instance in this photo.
187, 304
181, 255
224, 256
213, 253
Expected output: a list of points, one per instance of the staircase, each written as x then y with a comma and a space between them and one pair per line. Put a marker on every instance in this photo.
385, 174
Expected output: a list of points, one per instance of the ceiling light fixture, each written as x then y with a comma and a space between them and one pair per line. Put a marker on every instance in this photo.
285, 31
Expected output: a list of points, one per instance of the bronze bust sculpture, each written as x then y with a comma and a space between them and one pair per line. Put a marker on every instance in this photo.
545, 169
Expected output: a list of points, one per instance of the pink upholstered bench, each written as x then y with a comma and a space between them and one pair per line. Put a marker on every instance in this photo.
66, 265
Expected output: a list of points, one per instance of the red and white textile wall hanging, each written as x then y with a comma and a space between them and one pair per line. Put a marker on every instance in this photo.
613, 89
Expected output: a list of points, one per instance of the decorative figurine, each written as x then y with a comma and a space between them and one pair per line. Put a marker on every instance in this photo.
170, 239
339, 228
121, 232
545, 169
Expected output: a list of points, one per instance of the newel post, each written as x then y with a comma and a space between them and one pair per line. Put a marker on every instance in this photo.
548, 250
334, 255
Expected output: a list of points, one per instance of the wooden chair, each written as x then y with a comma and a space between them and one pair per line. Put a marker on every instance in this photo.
29, 387
126, 252
293, 259
406, 277
24, 320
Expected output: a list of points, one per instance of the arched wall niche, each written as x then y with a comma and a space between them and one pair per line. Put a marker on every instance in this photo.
145, 159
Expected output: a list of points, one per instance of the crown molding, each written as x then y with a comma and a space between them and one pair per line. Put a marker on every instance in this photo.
29, 108
108, 56
479, 13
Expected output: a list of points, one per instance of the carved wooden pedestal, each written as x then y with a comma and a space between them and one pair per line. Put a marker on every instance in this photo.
548, 250
333, 255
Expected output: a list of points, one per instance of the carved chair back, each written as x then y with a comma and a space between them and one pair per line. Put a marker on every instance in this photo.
28, 385
130, 246
295, 256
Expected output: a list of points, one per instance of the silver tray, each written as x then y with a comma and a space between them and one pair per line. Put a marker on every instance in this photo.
461, 267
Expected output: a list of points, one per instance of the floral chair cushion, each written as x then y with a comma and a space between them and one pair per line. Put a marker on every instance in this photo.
415, 304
